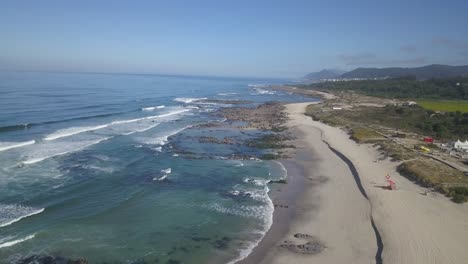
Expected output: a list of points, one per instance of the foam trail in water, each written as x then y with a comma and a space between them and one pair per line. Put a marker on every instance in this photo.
267, 222
77, 130
162, 140
152, 108
38, 159
14, 242
141, 130
11, 145
188, 100
72, 131
11, 213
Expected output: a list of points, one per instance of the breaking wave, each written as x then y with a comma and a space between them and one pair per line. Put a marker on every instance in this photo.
152, 108
14, 242
188, 100
11, 213
77, 130
11, 145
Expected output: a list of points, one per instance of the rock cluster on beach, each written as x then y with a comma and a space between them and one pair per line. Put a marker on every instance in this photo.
312, 246
266, 116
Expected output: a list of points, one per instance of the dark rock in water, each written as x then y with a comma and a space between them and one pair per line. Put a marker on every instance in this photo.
36, 259
173, 261
225, 140
221, 243
198, 239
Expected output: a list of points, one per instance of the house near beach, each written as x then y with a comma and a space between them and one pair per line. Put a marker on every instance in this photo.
458, 145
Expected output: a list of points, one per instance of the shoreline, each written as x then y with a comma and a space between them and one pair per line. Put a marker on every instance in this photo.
306, 168
394, 226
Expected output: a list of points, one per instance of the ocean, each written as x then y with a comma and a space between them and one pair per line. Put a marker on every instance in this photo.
108, 168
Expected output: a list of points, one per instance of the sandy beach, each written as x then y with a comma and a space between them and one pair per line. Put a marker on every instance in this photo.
335, 199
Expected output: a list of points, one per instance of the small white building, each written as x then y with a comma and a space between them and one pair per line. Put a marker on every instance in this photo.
460, 145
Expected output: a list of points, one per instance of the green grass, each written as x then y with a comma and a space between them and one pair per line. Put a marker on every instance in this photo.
365, 135
445, 105
434, 174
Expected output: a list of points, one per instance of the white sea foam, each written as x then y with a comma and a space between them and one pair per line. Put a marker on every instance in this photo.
258, 182
14, 242
77, 130
162, 139
66, 132
283, 168
162, 178
167, 171
165, 175
141, 130
158, 149
11, 213
152, 108
263, 91
11, 145
259, 85
268, 216
49, 153
226, 94
188, 100
267, 222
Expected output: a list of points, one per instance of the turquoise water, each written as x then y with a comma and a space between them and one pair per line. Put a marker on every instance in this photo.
109, 168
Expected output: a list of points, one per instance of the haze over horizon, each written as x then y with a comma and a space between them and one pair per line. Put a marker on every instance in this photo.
245, 38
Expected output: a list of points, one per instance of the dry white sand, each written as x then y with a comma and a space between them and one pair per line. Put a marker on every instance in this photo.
415, 228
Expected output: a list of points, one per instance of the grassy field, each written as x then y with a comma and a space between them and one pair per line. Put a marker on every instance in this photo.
445, 105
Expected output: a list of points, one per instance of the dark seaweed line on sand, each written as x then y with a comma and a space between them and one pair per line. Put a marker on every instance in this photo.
378, 255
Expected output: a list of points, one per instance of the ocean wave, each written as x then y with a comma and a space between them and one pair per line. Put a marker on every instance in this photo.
226, 94
141, 130
267, 222
11, 145
259, 85
162, 139
165, 172
51, 155
11, 213
14, 127
263, 91
72, 131
258, 182
14, 242
283, 168
188, 100
30, 125
78, 130
152, 108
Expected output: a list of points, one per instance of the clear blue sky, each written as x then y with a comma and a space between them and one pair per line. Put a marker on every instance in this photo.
230, 38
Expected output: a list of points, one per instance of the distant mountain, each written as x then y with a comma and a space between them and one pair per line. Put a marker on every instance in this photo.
323, 74
422, 73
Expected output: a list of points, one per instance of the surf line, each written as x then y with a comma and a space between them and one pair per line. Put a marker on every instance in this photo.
357, 179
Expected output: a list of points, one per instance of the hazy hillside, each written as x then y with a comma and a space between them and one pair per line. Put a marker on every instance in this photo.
323, 74
425, 72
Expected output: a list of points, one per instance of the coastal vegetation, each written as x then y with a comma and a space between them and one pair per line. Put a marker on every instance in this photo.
403, 88
445, 105
386, 126
415, 119
434, 174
